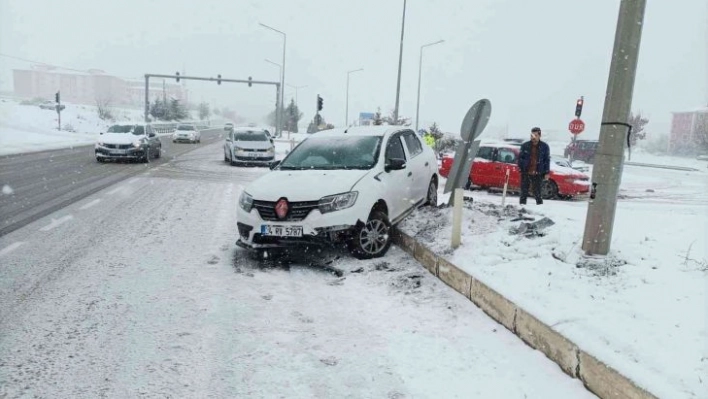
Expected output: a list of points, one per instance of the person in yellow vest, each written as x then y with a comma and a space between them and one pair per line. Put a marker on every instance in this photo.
429, 139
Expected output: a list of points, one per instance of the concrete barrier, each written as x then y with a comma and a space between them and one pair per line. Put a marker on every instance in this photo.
600, 379
606, 382
454, 277
542, 337
494, 304
426, 257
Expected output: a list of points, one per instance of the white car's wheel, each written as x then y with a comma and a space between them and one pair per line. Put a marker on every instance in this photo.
431, 198
373, 238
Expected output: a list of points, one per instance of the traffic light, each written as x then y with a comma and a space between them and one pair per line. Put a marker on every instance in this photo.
57, 98
320, 102
249, 81
579, 107
177, 73
218, 79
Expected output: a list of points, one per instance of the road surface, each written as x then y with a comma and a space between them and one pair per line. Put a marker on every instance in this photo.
138, 290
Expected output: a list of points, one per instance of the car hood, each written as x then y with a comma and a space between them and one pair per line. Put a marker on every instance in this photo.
118, 138
254, 145
303, 185
565, 171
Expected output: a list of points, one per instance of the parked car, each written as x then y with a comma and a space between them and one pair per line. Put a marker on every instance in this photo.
247, 146
228, 126
187, 133
582, 150
339, 185
51, 105
495, 159
128, 141
577, 165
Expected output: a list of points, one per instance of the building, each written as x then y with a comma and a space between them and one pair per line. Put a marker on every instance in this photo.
689, 129
88, 87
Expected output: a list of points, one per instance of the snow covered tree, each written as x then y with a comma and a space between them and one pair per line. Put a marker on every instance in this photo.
378, 120
177, 111
400, 121
638, 123
434, 130
292, 117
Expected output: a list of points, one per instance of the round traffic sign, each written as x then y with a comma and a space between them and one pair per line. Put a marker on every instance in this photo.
576, 126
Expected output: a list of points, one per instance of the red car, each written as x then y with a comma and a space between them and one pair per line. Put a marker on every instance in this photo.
493, 160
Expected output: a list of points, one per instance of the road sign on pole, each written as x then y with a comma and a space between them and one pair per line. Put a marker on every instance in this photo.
472, 126
576, 126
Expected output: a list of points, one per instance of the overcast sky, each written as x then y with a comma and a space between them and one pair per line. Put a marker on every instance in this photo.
531, 59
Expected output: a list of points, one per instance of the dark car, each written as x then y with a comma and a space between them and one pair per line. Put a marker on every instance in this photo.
581, 150
131, 141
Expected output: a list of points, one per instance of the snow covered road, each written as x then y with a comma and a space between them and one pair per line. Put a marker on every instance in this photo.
42, 182
142, 293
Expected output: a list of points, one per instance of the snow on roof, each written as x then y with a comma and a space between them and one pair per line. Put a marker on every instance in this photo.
362, 131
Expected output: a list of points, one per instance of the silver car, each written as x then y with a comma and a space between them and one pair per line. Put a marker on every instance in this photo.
249, 147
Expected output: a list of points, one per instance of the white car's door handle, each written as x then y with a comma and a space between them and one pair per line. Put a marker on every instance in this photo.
410, 174
426, 164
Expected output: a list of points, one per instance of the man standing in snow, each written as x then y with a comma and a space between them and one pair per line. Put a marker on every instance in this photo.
534, 164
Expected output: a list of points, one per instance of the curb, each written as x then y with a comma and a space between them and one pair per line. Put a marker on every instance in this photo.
597, 377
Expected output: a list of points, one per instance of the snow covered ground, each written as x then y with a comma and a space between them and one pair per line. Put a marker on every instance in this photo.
644, 311
28, 128
139, 291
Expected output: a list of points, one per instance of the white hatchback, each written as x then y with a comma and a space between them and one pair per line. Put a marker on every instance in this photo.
340, 186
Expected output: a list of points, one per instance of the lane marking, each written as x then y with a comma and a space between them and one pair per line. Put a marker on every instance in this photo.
115, 190
90, 204
56, 223
10, 248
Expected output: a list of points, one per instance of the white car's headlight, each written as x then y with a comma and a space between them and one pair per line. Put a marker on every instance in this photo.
99, 144
337, 202
137, 144
245, 201
237, 148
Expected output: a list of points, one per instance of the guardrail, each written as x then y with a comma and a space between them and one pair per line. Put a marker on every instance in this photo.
651, 165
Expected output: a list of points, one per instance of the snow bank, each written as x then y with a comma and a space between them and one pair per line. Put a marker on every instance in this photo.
642, 311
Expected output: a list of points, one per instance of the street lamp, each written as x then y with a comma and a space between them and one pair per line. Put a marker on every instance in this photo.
278, 109
420, 68
400, 63
296, 88
346, 114
282, 74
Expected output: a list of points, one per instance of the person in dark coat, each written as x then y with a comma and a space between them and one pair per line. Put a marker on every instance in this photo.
535, 165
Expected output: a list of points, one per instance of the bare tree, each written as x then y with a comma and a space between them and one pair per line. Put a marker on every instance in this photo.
103, 107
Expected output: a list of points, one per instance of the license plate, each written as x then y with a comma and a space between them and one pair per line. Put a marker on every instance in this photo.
119, 152
281, 231
253, 154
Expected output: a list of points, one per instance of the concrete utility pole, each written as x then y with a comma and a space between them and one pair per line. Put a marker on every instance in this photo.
400, 64
609, 162
346, 113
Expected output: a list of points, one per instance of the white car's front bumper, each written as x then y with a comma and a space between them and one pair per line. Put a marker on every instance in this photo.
317, 228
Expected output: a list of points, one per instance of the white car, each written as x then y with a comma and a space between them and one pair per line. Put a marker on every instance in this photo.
188, 133
132, 141
340, 186
247, 146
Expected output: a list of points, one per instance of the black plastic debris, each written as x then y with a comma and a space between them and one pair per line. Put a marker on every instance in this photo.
532, 229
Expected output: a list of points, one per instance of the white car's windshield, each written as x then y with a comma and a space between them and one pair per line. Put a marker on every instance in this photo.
250, 136
185, 127
357, 152
136, 130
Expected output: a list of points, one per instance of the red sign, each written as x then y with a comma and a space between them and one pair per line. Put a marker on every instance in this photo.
576, 126
282, 208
